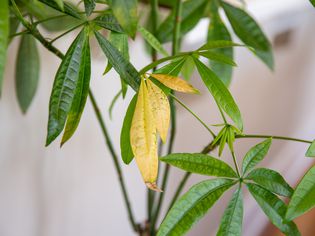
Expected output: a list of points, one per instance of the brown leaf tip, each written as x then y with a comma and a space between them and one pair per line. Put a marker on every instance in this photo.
153, 187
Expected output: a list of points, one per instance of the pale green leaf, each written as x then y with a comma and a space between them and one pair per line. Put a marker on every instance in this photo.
152, 40
311, 150
60, 4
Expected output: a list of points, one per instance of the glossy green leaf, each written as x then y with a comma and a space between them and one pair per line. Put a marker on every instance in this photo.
200, 164
123, 67
27, 71
60, 4
231, 223
192, 206
218, 57
4, 34
255, 155
127, 15
270, 180
274, 208
220, 93
81, 93
125, 146
67, 8
108, 21
246, 28
89, 6
64, 87
192, 12
218, 31
303, 198
311, 150
152, 40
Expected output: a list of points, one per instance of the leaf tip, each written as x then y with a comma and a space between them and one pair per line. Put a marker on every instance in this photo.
153, 187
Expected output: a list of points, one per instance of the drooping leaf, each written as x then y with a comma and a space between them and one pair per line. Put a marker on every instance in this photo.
192, 12
175, 83
127, 15
67, 8
311, 150
4, 34
108, 21
153, 41
89, 6
220, 93
218, 31
81, 93
192, 206
246, 28
27, 71
255, 155
64, 87
125, 146
218, 57
60, 4
160, 108
143, 138
200, 164
123, 67
274, 208
303, 198
231, 223
271, 180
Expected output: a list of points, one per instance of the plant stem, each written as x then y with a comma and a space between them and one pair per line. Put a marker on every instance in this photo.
59, 54
66, 32
177, 26
273, 137
236, 165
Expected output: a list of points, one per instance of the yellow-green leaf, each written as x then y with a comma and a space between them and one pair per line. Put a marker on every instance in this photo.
4, 32
175, 83
160, 108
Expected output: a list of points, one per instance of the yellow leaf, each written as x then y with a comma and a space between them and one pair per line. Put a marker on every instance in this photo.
143, 138
161, 109
175, 83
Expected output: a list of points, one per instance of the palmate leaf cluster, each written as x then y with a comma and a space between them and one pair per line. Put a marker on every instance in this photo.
113, 23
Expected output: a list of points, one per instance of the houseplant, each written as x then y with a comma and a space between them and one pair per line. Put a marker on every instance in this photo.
155, 101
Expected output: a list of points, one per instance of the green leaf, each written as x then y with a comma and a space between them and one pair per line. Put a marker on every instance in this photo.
126, 14
246, 28
220, 93
173, 68
81, 93
153, 41
311, 150
67, 8
123, 67
271, 180
4, 34
255, 155
64, 87
192, 12
231, 223
218, 57
108, 21
125, 146
210, 45
218, 31
192, 206
60, 4
89, 6
200, 164
303, 198
274, 208
27, 71
188, 68
312, 2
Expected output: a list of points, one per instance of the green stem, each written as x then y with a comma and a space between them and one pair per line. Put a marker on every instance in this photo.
49, 19
66, 32
59, 54
177, 26
236, 165
273, 137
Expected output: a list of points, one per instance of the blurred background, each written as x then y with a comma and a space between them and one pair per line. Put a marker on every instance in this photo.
73, 190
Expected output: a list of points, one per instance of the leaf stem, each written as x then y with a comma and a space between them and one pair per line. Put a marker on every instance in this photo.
273, 137
66, 32
235, 164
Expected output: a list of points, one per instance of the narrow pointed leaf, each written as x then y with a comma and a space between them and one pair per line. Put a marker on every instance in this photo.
231, 223
160, 108
27, 71
4, 34
312, 2
303, 198
123, 67
192, 206
64, 87
200, 164
126, 14
173, 68
271, 180
175, 83
60, 4
311, 150
108, 21
255, 155
67, 8
153, 41
274, 208
125, 146
217, 44
218, 57
81, 93
246, 28
89, 6
188, 68
220, 93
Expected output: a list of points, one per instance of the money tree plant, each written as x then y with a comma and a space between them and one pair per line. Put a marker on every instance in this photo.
149, 125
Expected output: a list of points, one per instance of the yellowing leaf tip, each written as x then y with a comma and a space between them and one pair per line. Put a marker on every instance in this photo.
153, 187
